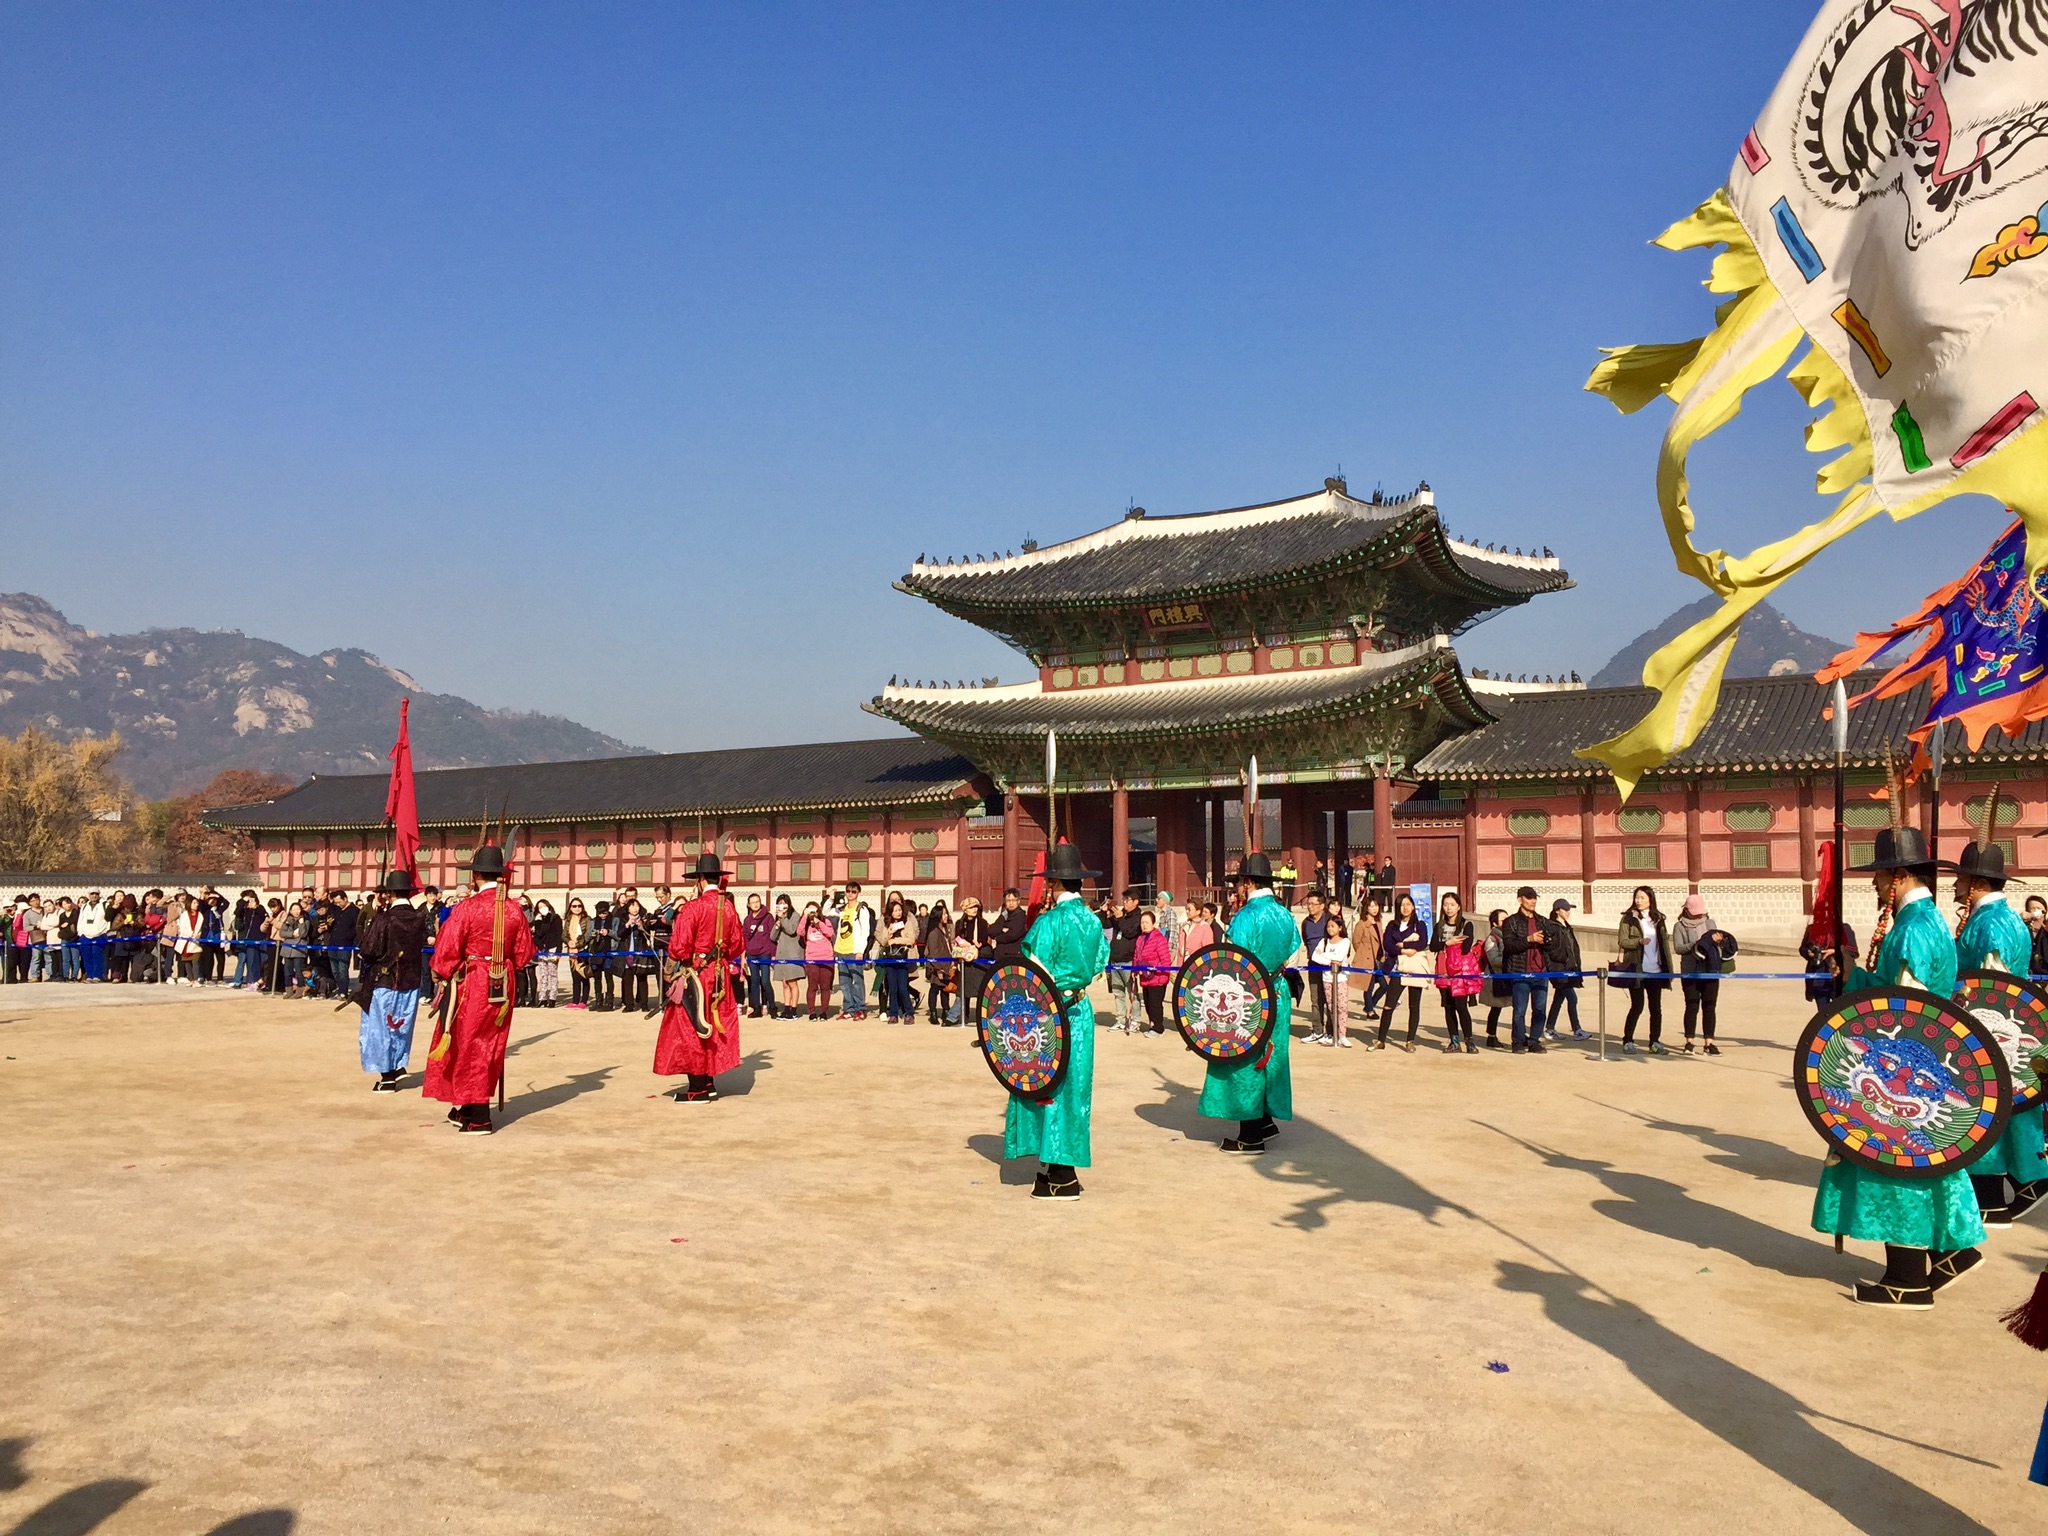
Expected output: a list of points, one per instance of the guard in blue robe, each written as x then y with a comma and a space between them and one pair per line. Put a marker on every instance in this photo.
1996, 938
389, 993
1929, 1227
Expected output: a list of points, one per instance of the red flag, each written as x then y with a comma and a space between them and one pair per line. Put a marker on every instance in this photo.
401, 808
1822, 928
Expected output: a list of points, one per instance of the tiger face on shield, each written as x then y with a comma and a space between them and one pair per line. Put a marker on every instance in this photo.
1226, 1008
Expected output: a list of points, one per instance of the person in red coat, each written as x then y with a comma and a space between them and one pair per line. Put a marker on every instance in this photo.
480, 951
702, 1038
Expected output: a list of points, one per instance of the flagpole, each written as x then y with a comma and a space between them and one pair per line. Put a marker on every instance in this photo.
1841, 751
1932, 799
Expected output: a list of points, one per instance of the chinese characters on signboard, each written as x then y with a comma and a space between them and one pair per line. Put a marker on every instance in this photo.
1161, 617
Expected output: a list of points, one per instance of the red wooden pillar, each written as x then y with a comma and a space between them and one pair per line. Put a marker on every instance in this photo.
1470, 852
1383, 815
1119, 839
1589, 799
1809, 848
1013, 850
1692, 837
1219, 857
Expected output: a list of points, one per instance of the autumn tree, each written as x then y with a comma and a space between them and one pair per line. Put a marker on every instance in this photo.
61, 804
190, 848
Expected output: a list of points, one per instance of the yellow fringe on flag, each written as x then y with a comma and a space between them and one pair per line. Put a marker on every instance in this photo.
1708, 378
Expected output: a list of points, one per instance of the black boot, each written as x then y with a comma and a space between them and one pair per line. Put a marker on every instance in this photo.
1992, 1199
1060, 1183
1945, 1268
1904, 1282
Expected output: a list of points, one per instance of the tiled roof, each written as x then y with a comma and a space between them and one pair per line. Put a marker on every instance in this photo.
849, 774
1207, 704
1143, 558
1762, 722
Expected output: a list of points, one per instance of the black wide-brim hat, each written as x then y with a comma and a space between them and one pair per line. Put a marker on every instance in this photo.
1256, 868
398, 883
708, 869
1982, 861
1898, 848
489, 863
1065, 864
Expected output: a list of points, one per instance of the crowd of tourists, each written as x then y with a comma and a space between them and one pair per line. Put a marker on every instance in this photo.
1366, 970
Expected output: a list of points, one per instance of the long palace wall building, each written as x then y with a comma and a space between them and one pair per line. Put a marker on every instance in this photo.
1315, 634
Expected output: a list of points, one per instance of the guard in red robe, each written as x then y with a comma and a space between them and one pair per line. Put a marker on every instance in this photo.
479, 952
700, 1022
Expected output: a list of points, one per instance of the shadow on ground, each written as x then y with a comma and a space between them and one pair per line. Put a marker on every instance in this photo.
536, 1100
990, 1147
1330, 1170
1753, 1155
1764, 1422
81, 1510
1665, 1209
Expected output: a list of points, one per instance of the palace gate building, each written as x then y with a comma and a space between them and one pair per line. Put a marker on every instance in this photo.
1314, 634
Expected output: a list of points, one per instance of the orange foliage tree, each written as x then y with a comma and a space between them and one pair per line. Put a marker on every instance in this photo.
192, 849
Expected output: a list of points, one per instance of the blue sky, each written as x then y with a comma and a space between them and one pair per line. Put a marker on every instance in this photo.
613, 360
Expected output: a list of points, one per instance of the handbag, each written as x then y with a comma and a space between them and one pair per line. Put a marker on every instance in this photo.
1619, 983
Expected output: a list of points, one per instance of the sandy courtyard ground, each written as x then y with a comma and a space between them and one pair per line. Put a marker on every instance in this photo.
245, 1295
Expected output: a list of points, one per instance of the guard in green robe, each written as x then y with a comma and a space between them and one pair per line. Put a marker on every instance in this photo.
1071, 944
1929, 1227
1996, 938
1258, 1092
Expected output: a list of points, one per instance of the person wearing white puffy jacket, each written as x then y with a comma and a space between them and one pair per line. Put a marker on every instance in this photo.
92, 936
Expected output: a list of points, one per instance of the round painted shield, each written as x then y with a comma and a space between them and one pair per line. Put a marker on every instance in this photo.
2015, 1010
1223, 1003
1024, 1033
1903, 1082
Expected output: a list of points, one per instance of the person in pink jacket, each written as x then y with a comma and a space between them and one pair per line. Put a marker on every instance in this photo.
1458, 956
1154, 959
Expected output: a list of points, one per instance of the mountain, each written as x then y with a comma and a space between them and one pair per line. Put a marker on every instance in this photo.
188, 703
1767, 645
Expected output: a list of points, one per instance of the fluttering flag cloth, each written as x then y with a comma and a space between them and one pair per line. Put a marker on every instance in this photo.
1888, 211
1982, 650
401, 806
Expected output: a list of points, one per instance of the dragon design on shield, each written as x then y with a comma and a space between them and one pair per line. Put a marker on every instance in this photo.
1899, 1091
1938, 101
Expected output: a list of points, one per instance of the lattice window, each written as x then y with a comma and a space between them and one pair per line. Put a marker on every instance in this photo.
1531, 861
594, 874
746, 845
800, 869
857, 869
550, 874
1752, 856
1528, 824
856, 842
803, 842
273, 858
551, 850
925, 839
1868, 813
595, 848
744, 873
643, 872
1639, 819
1862, 853
1642, 856
2008, 813
643, 847
1752, 817
924, 869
